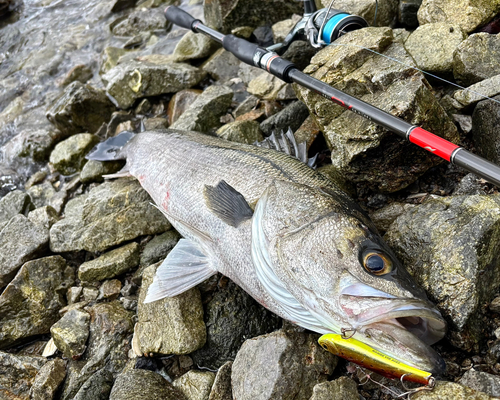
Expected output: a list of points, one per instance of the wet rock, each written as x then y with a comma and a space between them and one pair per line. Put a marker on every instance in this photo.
133, 80
141, 384
221, 389
450, 390
342, 388
110, 264
48, 380
180, 102
386, 12
477, 58
222, 66
241, 131
292, 116
172, 325
466, 13
232, 316
81, 108
68, 157
407, 13
14, 203
489, 87
110, 214
30, 304
70, 333
193, 46
195, 385
93, 170
158, 248
141, 20
449, 246
362, 151
485, 120
17, 375
432, 46
110, 57
97, 387
280, 365
482, 382
110, 289
205, 112
384, 217
81, 73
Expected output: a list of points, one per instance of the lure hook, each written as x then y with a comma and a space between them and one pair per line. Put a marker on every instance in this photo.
343, 332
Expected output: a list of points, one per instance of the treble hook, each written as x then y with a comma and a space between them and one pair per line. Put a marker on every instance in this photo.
343, 332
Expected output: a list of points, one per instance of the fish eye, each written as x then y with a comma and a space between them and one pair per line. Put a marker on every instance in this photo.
377, 263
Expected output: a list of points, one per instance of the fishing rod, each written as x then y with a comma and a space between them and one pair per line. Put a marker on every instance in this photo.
270, 61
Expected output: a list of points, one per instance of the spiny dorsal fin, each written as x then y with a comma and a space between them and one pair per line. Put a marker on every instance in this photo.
227, 203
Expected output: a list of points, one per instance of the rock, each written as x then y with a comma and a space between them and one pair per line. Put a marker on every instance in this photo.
180, 102
68, 157
280, 365
485, 120
193, 46
470, 185
97, 387
73, 294
16, 202
432, 46
384, 217
451, 391
466, 13
20, 240
205, 112
386, 11
241, 131
495, 305
266, 86
300, 53
70, 333
407, 13
343, 388
50, 349
482, 382
152, 124
110, 289
31, 142
448, 245
17, 375
81, 108
81, 73
487, 88
110, 214
172, 325
141, 20
30, 304
90, 294
110, 57
222, 66
292, 116
133, 80
48, 380
110, 264
282, 28
362, 151
93, 170
226, 15
195, 385
140, 384
159, 247
41, 194
221, 389
477, 58
464, 122
232, 316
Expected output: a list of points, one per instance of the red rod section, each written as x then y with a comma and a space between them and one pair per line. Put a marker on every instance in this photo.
433, 143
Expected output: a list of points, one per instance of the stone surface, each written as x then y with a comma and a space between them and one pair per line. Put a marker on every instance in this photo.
407, 13
48, 380
133, 80
93, 170
45, 216
384, 217
30, 304
470, 184
193, 46
110, 57
16, 202
35, 143
386, 12
221, 389
195, 385
41, 194
68, 157
97, 387
489, 87
280, 365
81, 108
432, 46
266, 86
485, 122
180, 102
477, 58
342, 388
450, 391
109, 289
17, 375
141, 20
108, 215
205, 112
172, 325
292, 116
110, 264
222, 66
449, 246
241, 131
482, 382
159, 247
70, 333
81, 73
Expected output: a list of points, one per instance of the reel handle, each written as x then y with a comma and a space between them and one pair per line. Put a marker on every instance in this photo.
180, 17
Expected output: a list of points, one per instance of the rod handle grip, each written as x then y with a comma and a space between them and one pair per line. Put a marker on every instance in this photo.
180, 17
241, 48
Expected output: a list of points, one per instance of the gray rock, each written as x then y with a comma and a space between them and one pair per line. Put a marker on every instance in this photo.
487, 88
159, 247
110, 57
133, 80
173, 325
68, 157
73, 294
81, 73
97, 387
221, 389
193, 46
110, 214
386, 12
464, 122
81, 108
280, 365
282, 28
158, 123
48, 380
36, 143
482, 382
292, 116
42, 194
205, 112
407, 13
44, 216
241, 131
249, 104
449, 246
70, 333
432, 46
180, 102
222, 65
477, 58
450, 391
343, 388
195, 385
30, 304
110, 290
17, 375
384, 217
141, 20
495, 305
470, 185
16, 202
266, 86
93, 170
110, 264
140, 384
485, 122
300, 53
232, 316
90, 294
20, 240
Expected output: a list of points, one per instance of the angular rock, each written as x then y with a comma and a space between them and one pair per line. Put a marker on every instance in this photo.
343, 388
221, 389
432, 46
300, 53
110, 289
159, 247
485, 122
173, 325
241, 131
280, 365
482, 382
93, 170
48, 380
152, 124
68, 157
31, 142
42, 194
386, 12
140, 384
292, 116
30, 304
449, 246
193, 46
90, 293
70, 333
470, 184
81, 108
384, 217
407, 13
133, 80
180, 102
16, 202
282, 28
450, 390
222, 65
97, 387
110, 57
81, 73
141, 20
110, 214
266, 86
17, 375
487, 88
110, 264
477, 58
205, 112
195, 385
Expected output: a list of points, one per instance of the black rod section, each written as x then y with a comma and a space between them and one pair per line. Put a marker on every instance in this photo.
477, 165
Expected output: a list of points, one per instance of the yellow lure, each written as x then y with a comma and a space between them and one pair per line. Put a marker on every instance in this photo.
366, 356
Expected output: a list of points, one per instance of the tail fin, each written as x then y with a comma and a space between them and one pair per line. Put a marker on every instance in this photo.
110, 149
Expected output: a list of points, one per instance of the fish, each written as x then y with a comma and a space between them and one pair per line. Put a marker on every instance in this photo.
283, 232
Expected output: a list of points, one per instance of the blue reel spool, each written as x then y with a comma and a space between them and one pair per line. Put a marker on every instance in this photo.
339, 23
